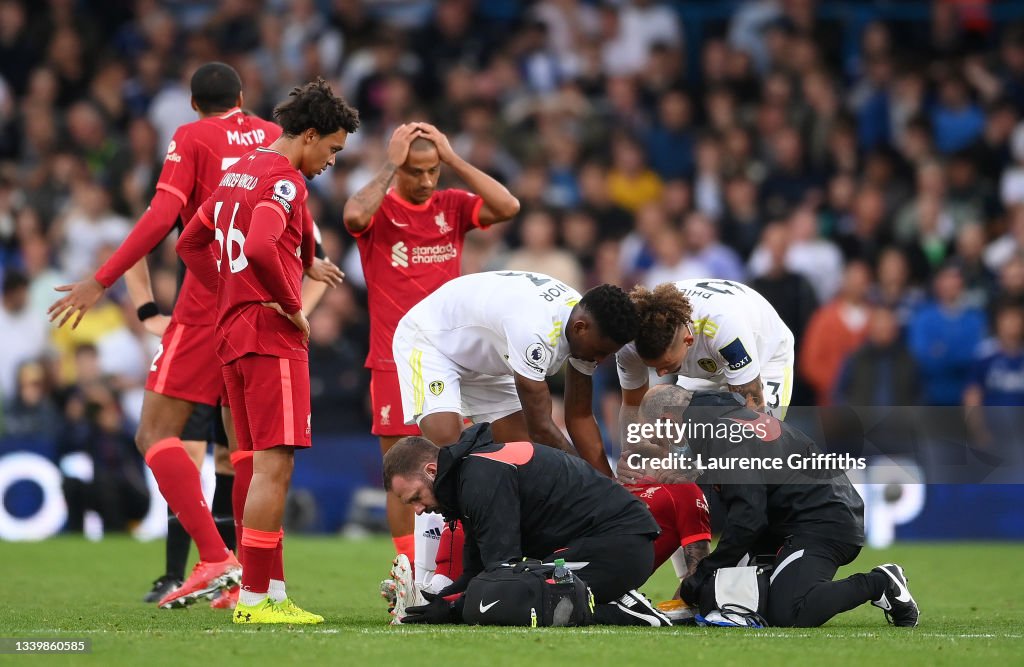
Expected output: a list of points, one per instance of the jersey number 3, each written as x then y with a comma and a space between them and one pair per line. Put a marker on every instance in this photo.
236, 260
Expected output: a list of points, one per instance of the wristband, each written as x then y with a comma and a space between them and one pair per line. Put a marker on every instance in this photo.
147, 310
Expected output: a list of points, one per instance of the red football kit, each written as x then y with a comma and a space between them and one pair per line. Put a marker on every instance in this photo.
254, 237
186, 365
407, 252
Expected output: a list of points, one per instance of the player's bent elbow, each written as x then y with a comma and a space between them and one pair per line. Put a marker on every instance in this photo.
511, 210
354, 219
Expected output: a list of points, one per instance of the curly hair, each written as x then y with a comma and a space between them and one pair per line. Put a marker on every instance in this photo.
661, 312
315, 106
613, 312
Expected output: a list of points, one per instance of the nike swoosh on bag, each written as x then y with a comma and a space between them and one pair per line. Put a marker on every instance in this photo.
484, 608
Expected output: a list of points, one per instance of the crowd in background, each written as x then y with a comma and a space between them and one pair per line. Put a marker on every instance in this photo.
873, 191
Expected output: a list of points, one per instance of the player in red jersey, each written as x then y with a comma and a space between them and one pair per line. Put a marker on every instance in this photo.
410, 243
186, 371
255, 218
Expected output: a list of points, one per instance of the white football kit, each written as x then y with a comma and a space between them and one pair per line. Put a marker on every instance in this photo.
738, 336
457, 350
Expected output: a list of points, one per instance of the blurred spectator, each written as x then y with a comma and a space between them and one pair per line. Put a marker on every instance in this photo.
88, 225
817, 259
995, 389
834, 332
1010, 244
979, 282
337, 347
864, 234
613, 221
42, 276
701, 240
31, 413
24, 332
997, 374
956, 119
741, 220
539, 253
893, 289
944, 336
881, 372
670, 142
102, 468
631, 183
672, 262
790, 293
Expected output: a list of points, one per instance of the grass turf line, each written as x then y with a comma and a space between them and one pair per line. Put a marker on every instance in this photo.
68, 587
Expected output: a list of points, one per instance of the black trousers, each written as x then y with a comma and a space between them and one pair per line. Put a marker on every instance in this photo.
802, 593
615, 564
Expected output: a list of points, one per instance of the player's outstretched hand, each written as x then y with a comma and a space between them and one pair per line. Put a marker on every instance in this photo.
83, 295
157, 324
325, 271
444, 149
401, 138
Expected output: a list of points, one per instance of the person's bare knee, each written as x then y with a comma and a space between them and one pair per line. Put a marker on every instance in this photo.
442, 428
511, 428
274, 464
162, 417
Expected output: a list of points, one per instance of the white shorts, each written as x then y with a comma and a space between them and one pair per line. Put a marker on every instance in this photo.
431, 382
776, 382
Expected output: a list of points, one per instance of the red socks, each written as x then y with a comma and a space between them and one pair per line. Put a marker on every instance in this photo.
259, 549
178, 479
242, 462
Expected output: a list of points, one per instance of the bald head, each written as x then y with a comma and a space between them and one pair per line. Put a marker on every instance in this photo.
664, 401
422, 144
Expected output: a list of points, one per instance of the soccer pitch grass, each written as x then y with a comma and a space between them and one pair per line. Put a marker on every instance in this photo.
69, 588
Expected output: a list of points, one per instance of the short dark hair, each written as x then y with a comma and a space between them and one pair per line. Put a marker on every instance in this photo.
315, 106
661, 312
216, 87
613, 312
407, 458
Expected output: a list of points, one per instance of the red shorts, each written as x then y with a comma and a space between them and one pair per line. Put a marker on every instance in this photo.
269, 401
681, 512
386, 399
186, 364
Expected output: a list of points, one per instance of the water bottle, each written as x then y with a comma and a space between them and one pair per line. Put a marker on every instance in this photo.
562, 575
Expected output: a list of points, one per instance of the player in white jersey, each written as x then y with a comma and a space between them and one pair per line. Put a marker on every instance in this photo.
481, 346
714, 334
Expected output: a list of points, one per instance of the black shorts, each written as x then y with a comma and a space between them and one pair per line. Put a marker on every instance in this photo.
205, 425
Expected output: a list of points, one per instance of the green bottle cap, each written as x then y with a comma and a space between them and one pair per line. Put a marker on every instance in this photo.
560, 562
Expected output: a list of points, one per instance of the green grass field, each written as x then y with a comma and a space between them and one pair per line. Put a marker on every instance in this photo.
69, 588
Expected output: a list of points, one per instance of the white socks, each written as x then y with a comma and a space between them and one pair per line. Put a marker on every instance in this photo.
427, 535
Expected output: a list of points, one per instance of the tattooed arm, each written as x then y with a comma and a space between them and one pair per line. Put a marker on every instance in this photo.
694, 553
752, 392
359, 209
